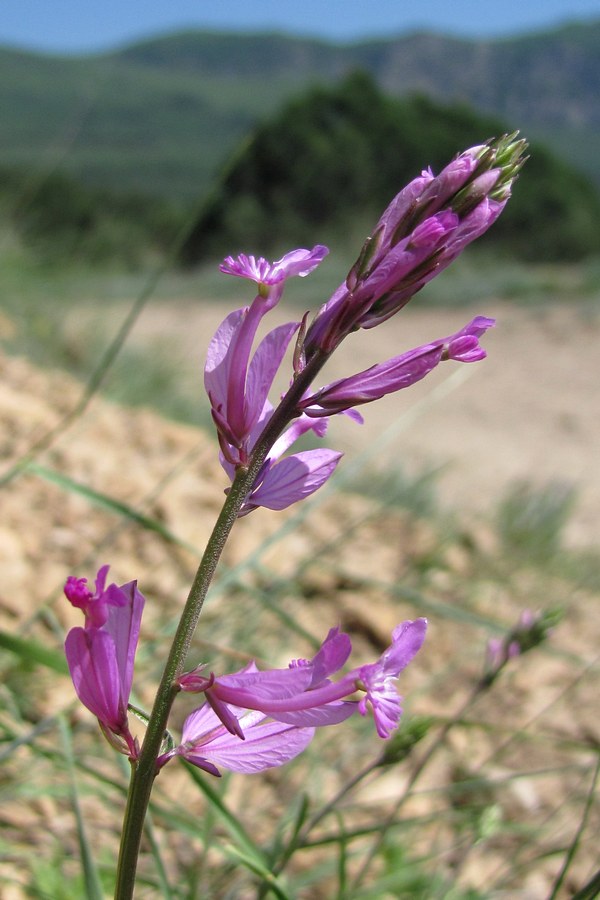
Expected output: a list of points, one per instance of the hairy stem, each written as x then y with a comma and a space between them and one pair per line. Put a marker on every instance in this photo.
144, 769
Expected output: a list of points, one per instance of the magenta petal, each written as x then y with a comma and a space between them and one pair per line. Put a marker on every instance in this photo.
331, 656
296, 262
407, 640
466, 349
101, 579
295, 478
318, 716
407, 255
385, 704
225, 714
402, 204
255, 689
377, 381
298, 427
219, 360
299, 262
263, 368
123, 625
265, 746
92, 663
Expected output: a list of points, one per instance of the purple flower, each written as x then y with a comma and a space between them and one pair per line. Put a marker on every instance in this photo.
379, 678
94, 606
397, 373
303, 695
238, 388
101, 655
421, 232
265, 274
207, 743
282, 482
531, 629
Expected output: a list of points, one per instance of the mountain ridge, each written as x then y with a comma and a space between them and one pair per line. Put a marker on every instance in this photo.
161, 115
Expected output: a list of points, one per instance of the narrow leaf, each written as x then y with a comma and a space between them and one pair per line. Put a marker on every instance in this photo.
93, 885
32, 652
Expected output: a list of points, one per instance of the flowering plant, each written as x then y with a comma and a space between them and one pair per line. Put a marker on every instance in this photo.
251, 720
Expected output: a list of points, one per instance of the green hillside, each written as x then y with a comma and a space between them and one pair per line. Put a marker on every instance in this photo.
332, 159
160, 116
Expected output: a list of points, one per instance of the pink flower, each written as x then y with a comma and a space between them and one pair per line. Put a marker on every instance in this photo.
303, 695
238, 382
265, 274
284, 481
397, 373
101, 655
206, 743
422, 231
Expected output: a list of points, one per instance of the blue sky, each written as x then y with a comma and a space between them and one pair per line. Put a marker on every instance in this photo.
73, 26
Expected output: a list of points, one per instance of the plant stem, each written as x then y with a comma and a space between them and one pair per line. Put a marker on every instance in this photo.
144, 768
481, 686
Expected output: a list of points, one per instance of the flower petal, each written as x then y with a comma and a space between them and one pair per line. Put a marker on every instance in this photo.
219, 360
264, 747
263, 369
407, 640
331, 656
295, 478
123, 625
92, 663
319, 716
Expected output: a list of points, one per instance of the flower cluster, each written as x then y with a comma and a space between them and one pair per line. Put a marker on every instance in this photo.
423, 229
250, 720
531, 630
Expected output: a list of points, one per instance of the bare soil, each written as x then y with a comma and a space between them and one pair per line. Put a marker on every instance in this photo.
529, 411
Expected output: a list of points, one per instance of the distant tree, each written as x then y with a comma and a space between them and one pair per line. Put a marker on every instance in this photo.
58, 219
336, 156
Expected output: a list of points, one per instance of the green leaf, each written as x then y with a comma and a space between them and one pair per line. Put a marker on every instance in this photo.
32, 652
93, 884
246, 850
105, 501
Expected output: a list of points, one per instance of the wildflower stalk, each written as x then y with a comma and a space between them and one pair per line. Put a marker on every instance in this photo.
425, 227
144, 769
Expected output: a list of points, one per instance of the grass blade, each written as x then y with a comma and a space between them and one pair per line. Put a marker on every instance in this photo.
93, 885
105, 501
246, 851
32, 652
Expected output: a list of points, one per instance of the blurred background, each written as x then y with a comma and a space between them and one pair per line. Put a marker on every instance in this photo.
139, 144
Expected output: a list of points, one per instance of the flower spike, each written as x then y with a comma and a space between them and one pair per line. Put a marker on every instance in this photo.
422, 231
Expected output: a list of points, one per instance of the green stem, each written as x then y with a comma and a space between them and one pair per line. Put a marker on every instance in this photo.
144, 769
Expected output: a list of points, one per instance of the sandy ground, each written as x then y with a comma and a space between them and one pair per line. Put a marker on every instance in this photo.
530, 411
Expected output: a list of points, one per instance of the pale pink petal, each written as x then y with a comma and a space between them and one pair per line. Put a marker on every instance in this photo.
264, 747
219, 360
263, 368
295, 478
